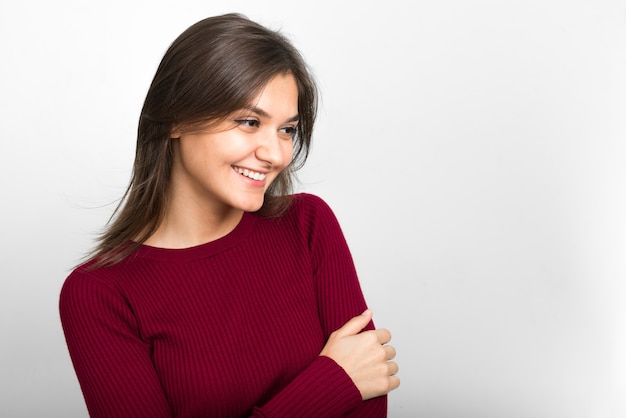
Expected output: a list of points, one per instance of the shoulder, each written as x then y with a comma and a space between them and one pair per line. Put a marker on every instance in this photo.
86, 282
311, 211
310, 205
81, 276
307, 216
312, 216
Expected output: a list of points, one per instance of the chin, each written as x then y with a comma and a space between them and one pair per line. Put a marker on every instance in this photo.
251, 205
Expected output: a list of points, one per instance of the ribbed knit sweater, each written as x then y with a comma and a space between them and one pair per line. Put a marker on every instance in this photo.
230, 328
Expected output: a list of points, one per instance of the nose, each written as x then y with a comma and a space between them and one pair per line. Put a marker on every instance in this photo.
273, 149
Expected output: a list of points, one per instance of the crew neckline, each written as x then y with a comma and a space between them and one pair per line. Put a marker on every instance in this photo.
208, 249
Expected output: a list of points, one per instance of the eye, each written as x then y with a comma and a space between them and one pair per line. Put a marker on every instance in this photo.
289, 131
247, 123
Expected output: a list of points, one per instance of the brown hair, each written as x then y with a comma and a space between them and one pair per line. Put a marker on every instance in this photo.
212, 69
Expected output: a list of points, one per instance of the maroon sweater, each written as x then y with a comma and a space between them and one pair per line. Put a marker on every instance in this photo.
229, 328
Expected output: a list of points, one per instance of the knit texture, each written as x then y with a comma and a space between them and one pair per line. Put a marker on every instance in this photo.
230, 328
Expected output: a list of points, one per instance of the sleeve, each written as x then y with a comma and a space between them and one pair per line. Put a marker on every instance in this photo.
111, 361
339, 298
117, 377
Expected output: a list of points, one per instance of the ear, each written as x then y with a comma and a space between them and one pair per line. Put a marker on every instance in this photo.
175, 133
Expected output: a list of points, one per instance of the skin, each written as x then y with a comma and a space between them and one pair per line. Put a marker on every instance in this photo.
208, 196
365, 356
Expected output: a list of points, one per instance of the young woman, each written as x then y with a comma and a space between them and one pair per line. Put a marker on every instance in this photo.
213, 291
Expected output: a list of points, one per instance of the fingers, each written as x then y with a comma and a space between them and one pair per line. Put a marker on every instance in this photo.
365, 356
355, 325
383, 335
394, 382
393, 368
390, 352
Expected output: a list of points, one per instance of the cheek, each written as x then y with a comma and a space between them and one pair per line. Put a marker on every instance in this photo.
195, 157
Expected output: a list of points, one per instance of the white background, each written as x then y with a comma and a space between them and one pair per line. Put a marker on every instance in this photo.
474, 152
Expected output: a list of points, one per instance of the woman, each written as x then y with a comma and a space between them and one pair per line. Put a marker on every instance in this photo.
213, 292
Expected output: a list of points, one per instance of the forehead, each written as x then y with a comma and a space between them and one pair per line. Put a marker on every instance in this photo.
279, 94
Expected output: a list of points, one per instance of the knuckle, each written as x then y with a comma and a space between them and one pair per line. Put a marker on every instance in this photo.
384, 385
393, 368
382, 369
386, 334
370, 337
381, 353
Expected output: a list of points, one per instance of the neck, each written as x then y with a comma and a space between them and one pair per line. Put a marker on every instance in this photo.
187, 223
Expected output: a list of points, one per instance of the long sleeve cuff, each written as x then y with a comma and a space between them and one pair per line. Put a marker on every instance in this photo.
322, 390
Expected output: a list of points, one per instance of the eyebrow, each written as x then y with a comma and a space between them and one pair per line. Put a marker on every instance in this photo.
264, 114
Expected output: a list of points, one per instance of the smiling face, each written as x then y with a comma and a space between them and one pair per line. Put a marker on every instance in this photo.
229, 167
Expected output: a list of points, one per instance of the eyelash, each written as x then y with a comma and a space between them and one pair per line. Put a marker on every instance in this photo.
290, 130
253, 123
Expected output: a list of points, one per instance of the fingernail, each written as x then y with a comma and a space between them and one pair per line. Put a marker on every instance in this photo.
366, 312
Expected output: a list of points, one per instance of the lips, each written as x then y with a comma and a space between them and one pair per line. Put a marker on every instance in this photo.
254, 175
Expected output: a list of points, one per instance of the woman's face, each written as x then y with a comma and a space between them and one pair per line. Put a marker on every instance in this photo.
230, 166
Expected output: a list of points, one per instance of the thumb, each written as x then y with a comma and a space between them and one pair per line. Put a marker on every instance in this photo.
355, 325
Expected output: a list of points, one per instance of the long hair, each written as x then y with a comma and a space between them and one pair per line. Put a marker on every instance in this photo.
212, 69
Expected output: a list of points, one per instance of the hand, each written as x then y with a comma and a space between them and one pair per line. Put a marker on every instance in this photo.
364, 356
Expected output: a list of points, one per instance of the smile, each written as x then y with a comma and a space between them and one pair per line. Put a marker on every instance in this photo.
249, 173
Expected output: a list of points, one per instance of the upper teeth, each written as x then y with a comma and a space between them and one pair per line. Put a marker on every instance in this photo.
250, 174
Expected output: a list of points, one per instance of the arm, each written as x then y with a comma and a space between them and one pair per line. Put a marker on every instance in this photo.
114, 367
351, 360
111, 361
339, 299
